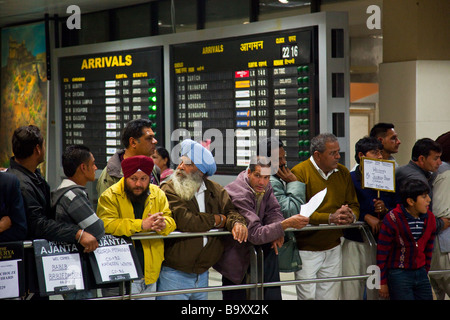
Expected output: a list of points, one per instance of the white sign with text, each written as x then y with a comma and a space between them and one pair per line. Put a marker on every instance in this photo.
378, 174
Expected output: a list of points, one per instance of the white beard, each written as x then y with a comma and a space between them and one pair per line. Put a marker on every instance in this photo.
186, 185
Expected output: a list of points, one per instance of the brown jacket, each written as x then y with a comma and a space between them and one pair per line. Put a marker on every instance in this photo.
188, 254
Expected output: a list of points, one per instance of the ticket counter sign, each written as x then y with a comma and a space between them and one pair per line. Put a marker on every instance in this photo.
115, 260
378, 174
59, 267
12, 275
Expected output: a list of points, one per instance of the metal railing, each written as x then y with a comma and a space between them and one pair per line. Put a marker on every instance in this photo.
256, 283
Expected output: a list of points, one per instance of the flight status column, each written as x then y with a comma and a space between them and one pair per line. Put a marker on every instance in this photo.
101, 93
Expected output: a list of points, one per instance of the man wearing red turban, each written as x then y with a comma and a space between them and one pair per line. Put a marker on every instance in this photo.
135, 205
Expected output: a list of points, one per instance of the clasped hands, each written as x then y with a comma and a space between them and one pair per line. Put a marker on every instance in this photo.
343, 215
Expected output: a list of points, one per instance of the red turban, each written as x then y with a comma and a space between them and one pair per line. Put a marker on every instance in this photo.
131, 165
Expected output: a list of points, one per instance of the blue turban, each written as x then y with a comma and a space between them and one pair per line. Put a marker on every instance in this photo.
199, 155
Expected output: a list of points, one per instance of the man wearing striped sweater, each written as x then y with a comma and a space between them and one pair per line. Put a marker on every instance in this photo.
405, 245
71, 203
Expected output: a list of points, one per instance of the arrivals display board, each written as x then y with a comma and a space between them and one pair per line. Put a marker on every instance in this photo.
240, 90
101, 92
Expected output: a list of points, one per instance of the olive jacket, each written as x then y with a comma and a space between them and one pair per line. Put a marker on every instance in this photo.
192, 254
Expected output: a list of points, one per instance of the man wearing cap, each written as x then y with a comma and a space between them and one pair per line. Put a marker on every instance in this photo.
198, 205
134, 205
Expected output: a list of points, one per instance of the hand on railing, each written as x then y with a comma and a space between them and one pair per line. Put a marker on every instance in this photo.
239, 232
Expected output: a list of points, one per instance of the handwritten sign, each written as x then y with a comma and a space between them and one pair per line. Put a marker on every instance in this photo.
115, 260
59, 267
378, 174
12, 275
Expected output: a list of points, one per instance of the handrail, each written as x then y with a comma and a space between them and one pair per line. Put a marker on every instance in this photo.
256, 284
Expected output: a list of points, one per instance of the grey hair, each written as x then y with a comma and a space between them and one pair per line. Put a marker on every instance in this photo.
318, 143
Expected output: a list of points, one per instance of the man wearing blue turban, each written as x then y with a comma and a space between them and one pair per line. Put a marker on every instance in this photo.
200, 156
198, 205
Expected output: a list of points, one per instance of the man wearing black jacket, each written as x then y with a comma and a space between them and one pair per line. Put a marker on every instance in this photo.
29, 151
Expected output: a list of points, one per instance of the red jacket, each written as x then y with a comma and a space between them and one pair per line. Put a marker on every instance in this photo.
397, 247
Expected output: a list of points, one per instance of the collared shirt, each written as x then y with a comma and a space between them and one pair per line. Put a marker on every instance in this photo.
416, 225
200, 197
322, 174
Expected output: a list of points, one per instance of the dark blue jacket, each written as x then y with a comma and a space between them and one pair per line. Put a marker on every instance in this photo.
365, 199
11, 205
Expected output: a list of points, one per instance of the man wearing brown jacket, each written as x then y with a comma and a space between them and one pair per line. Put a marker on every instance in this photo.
198, 205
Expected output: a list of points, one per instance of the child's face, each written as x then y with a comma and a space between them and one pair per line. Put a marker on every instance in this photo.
421, 204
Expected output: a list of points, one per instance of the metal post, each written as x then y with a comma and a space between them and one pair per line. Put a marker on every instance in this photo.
253, 273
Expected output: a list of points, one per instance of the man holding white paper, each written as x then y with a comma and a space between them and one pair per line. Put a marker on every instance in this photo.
320, 251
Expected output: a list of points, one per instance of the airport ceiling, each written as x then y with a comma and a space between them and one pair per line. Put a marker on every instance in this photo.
13, 12
22, 11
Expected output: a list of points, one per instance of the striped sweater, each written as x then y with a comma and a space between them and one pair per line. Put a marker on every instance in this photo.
397, 247
71, 204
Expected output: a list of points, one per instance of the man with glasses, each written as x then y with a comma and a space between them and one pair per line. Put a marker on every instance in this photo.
320, 250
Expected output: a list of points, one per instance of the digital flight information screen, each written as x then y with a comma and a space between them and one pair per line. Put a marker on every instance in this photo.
231, 93
101, 92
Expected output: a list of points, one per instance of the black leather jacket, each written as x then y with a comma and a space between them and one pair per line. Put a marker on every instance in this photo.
40, 217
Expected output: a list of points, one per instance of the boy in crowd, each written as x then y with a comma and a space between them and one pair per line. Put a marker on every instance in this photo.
405, 245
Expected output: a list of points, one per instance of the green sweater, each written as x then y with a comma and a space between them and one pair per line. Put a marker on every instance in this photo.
340, 191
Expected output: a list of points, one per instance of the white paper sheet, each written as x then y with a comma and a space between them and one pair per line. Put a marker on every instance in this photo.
308, 208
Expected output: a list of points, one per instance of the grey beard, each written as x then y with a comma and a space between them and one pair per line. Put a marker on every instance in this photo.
186, 185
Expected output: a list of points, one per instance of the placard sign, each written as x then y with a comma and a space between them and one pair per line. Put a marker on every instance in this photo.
12, 276
115, 260
378, 174
59, 267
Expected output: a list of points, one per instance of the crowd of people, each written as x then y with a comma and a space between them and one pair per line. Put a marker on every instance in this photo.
140, 192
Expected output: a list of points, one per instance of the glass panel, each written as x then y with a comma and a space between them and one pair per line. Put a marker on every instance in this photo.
132, 22
185, 12
94, 28
224, 13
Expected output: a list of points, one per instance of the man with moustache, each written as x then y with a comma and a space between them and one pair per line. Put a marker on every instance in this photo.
425, 159
138, 139
29, 152
135, 205
253, 196
385, 132
320, 250
198, 205
290, 194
